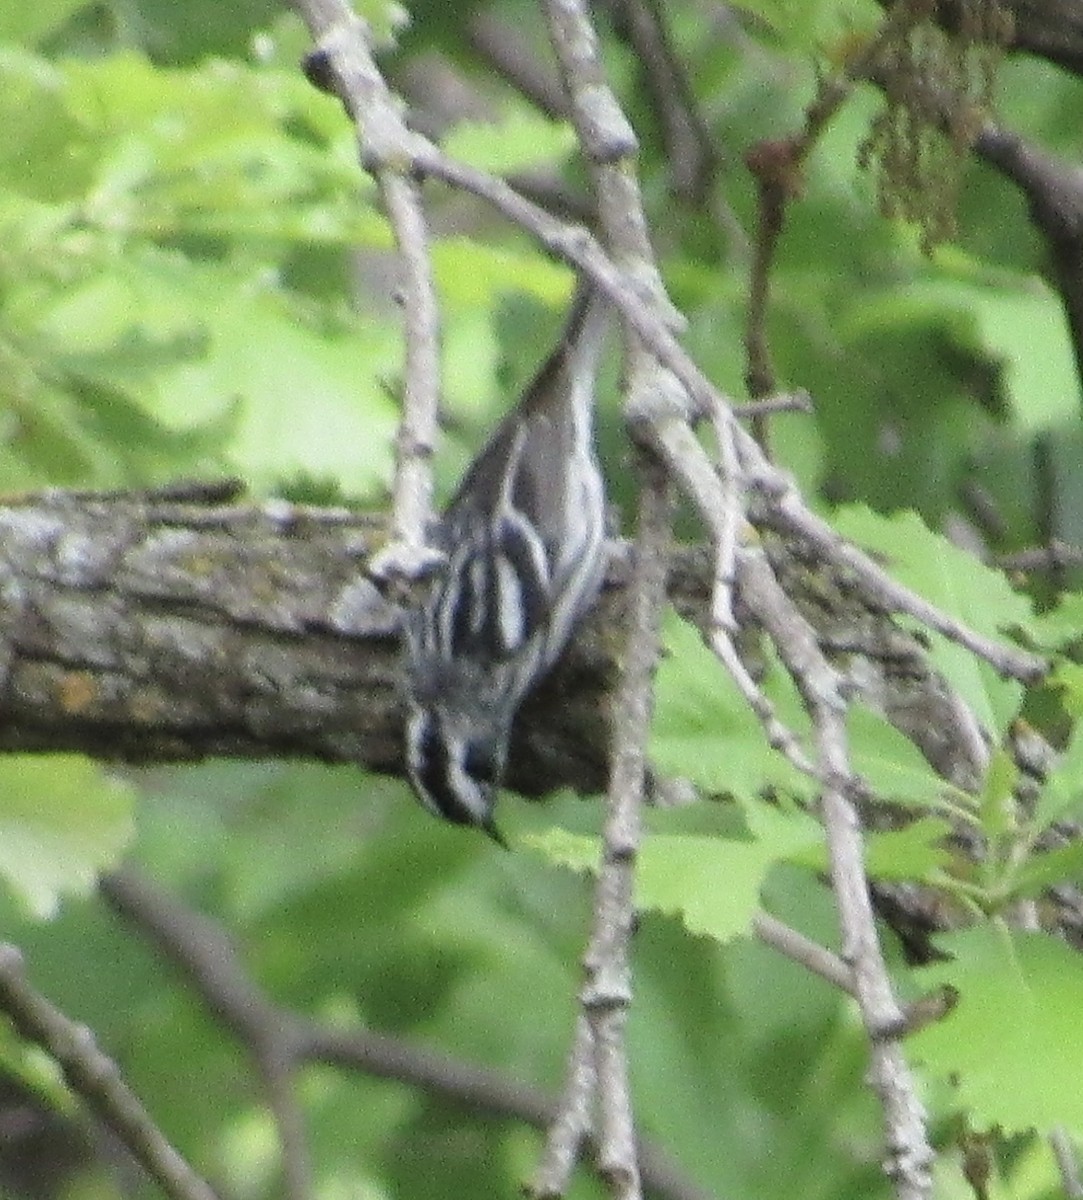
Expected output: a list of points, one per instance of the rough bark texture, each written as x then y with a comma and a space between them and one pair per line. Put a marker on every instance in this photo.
1050, 29
143, 630
147, 631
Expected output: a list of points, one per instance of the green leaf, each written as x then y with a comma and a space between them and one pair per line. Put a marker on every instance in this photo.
1061, 626
43, 151
520, 138
914, 852
703, 729
804, 25
1014, 1041
1017, 322
960, 585
310, 402
473, 274
998, 808
1063, 787
1040, 871
301, 397
63, 820
926, 561
711, 884
1068, 677
894, 768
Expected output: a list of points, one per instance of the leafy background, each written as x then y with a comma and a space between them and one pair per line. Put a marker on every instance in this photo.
193, 281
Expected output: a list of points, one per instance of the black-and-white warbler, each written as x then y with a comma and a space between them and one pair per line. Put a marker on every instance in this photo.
524, 538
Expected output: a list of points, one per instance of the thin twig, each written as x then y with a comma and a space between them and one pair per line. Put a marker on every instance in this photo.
909, 1155
777, 167
1057, 556
1067, 1163
202, 950
786, 402
343, 48
786, 512
732, 523
573, 1121
598, 1062
96, 1078
777, 179
205, 954
687, 463
276, 1063
689, 147
607, 989
803, 951
609, 143
779, 735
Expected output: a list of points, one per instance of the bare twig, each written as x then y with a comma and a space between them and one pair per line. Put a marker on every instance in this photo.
610, 143
1054, 557
777, 178
687, 463
799, 402
799, 949
276, 1066
779, 735
1054, 191
204, 953
607, 991
343, 49
573, 1121
689, 148
96, 1079
909, 1154
922, 1011
508, 53
1067, 1163
777, 167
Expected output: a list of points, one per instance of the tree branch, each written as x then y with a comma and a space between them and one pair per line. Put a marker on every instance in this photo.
909, 1155
94, 1077
343, 52
1049, 29
147, 630
206, 956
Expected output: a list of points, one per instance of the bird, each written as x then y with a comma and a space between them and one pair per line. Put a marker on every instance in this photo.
523, 544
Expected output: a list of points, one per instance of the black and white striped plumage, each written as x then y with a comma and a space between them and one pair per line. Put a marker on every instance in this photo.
524, 538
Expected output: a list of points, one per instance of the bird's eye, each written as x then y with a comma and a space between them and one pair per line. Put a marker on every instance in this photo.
482, 762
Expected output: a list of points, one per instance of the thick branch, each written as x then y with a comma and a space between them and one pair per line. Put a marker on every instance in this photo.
1050, 29
147, 630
